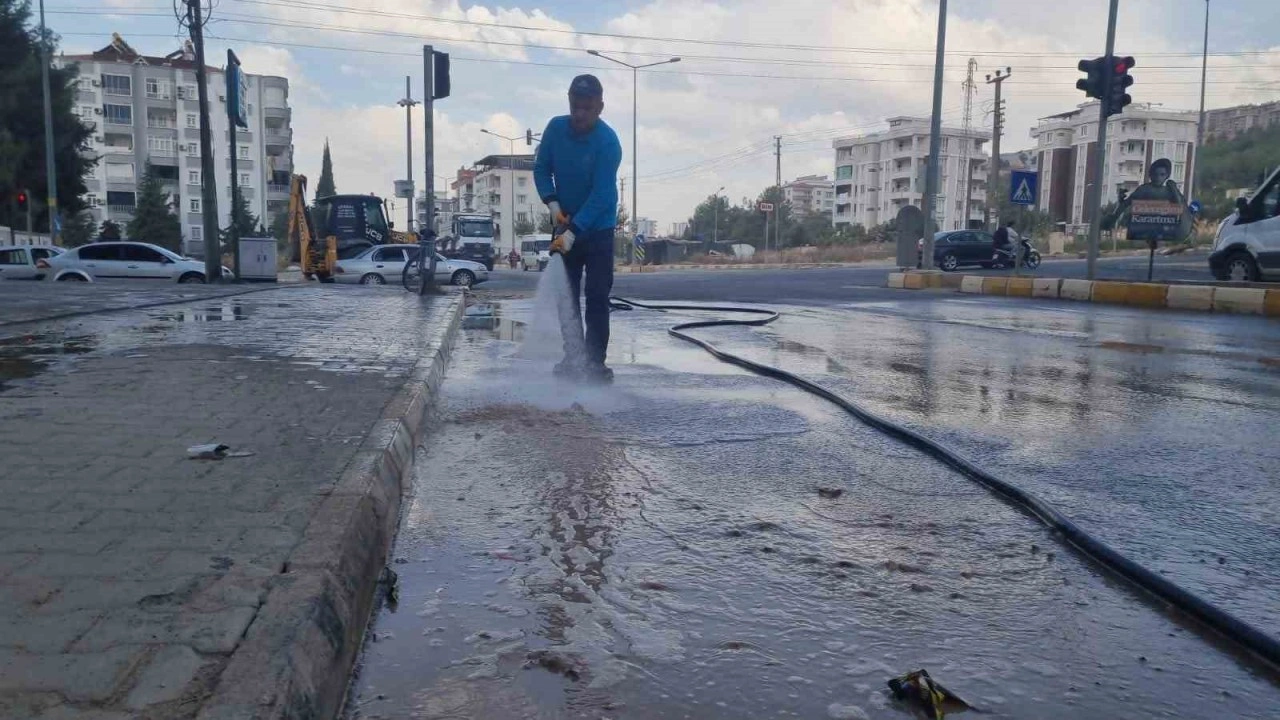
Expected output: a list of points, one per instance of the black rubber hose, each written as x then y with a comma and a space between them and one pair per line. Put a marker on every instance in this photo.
1233, 629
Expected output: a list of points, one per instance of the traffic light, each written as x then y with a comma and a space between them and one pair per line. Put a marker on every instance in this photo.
1093, 85
528, 136
440, 75
22, 200
1120, 81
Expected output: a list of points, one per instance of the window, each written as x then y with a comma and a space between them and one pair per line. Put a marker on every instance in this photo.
844, 172
193, 149
159, 89
244, 179
139, 253
522, 199
162, 146
522, 182
191, 92
118, 114
117, 84
84, 83
193, 177
193, 120
391, 255
1179, 172
120, 171
1160, 127
522, 217
102, 251
86, 112
161, 120
197, 233
244, 152
16, 256
194, 205
1157, 151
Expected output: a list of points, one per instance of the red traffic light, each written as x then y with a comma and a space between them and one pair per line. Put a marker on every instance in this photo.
1124, 65
22, 198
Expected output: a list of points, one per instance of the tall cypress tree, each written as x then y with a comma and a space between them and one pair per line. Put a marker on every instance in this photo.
324, 187
153, 218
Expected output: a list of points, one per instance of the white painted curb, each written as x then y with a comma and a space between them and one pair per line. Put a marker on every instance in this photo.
1190, 297
1250, 301
971, 284
1076, 289
1045, 287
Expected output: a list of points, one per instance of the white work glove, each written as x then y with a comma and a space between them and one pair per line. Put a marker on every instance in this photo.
557, 215
563, 243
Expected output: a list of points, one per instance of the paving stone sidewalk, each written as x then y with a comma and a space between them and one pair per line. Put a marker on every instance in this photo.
130, 573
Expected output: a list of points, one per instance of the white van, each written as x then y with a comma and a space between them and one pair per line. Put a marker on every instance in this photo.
1247, 246
535, 251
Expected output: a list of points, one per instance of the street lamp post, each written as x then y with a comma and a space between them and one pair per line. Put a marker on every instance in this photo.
715, 199
407, 102
1204, 70
635, 80
511, 178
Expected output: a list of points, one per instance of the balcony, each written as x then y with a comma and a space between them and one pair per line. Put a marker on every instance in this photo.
275, 190
162, 122
283, 113
118, 210
277, 137
903, 171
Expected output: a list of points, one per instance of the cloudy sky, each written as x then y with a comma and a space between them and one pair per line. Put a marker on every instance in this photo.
805, 69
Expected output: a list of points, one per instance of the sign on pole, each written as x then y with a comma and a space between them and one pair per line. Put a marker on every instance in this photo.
639, 249
1023, 186
766, 207
237, 91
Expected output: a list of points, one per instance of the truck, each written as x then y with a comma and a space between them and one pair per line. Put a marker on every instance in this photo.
467, 236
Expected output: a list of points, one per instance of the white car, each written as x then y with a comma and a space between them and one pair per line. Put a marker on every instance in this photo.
1247, 245
22, 262
381, 264
124, 260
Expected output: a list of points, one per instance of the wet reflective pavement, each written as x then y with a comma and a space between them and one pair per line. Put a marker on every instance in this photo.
658, 548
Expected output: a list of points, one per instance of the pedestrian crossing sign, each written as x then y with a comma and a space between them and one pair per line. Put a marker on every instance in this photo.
1022, 187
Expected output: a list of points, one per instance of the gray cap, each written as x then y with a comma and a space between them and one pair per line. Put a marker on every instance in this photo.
586, 86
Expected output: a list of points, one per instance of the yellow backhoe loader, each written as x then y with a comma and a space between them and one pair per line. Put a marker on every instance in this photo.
338, 227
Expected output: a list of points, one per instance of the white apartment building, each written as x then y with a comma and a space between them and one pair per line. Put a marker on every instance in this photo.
1135, 138
678, 229
810, 195
647, 227
877, 175
145, 109
502, 185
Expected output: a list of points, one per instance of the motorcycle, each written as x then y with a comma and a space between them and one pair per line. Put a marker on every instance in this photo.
1005, 258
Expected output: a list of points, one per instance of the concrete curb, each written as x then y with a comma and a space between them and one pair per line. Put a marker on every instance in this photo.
296, 658
741, 266
1206, 298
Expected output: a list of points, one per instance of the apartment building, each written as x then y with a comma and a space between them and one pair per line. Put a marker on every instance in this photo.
877, 175
502, 185
810, 195
143, 109
1226, 123
1135, 138
647, 227
678, 229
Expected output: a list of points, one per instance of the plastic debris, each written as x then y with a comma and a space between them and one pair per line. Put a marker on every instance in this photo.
830, 492
212, 451
918, 687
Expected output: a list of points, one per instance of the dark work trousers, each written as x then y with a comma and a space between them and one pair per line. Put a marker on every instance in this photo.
592, 252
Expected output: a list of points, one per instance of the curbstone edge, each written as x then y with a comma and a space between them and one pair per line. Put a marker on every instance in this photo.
1072, 289
1246, 301
971, 284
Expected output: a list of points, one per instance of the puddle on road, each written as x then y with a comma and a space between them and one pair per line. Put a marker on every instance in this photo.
25, 356
231, 312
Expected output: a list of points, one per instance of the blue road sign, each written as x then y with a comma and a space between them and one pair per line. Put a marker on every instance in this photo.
1195, 207
1023, 187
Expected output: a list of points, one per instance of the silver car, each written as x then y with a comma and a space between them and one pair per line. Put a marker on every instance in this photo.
23, 262
125, 260
384, 263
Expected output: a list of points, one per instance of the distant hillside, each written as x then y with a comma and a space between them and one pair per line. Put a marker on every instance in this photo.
1239, 162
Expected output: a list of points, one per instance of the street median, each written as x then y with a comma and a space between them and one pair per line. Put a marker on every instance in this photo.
1174, 296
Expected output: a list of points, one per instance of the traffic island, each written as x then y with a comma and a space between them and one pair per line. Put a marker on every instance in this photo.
1247, 299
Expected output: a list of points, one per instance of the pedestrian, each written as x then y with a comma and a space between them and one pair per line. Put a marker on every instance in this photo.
576, 174
1003, 238
513, 258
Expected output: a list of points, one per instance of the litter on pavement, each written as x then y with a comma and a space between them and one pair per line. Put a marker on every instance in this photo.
917, 686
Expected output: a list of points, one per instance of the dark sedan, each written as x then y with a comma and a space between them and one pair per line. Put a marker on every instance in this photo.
962, 247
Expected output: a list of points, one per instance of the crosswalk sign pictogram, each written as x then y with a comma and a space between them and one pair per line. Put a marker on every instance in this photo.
1022, 187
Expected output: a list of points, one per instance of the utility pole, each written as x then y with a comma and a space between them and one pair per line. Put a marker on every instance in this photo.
715, 231
50, 168
429, 168
1094, 201
935, 143
208, 180
997, 129
407, 102
966, 142
1200, 127
777, 219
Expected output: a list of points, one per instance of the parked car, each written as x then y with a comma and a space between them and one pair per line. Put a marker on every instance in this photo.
22, 262
954, 248
1247, 245
381, 264
124, 260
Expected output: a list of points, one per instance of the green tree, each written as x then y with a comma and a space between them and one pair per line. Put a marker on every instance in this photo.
78, 230
324, 188
524, 227
22, 155
153, 218
1028, 221
109, 230
544, 223
242, 219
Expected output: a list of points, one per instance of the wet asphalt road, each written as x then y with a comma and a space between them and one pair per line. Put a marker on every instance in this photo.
658, 548
829, 285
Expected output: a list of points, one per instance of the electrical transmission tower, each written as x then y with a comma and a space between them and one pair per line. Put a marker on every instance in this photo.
966, 142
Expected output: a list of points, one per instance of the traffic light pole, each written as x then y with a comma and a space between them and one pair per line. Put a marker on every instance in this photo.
1094, 201
50, 168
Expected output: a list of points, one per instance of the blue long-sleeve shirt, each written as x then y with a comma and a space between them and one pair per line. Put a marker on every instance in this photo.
581, 172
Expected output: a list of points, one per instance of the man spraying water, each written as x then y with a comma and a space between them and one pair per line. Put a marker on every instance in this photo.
576, 173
